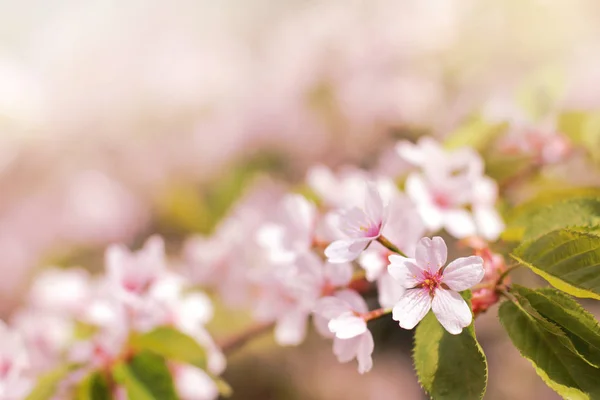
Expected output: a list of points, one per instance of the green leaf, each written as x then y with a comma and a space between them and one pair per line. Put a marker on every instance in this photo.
48, 383
568, 259
583, 128
553, 203
171, 344
146, 377
562, 369
94, 387
579, 329
449, 366
476, 132
223, 387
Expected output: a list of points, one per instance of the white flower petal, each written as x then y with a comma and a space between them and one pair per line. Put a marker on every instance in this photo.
412, 307
364, 351
389, 291
416, 188
459, 223
339, 274
347, 326
347, 250
291, 328
331, 307
431, 254
373, 262
405, 271
354, 300
463, 273
321, 327
345, 349
451, 310
374, 204
489, 223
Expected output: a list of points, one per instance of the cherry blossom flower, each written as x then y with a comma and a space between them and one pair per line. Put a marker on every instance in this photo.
290, 292
430, 285
133, 273
352, 338
449, 183
14, 361
193, 383
404, 229
361, 226
292, 233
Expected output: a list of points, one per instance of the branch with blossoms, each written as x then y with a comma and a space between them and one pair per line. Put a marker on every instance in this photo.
138, 330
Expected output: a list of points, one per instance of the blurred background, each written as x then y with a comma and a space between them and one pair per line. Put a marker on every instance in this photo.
119, 119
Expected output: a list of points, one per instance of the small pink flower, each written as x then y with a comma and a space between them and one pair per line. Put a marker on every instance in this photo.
360, 226
430, 285
342, 315
135, 272
292, 233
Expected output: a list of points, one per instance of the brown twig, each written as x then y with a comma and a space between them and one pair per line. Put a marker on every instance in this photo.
238, 340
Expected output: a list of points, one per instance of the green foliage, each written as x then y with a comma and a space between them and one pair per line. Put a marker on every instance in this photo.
579, 326
94, 387
47, 384
568, 259
554, 201
542, 343
449, 366
171, 344
583, 128
146, 377
554, 210
223, 387
476, 132
501, 168
184, 209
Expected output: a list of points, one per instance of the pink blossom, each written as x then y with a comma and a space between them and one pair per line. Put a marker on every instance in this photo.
289, 293
361, 226
449, 183
342, 312
404, 229
14, 362
430, 285
292, 232
134, 272
193, 383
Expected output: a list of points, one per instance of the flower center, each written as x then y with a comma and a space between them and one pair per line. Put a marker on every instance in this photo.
371, 230
431, 281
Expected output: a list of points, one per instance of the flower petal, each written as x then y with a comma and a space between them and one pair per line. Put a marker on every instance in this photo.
365, 348
405, 271
459, 223
489, 223
374, 208
463, 273
389, 291
451, 310
339, 274
291, 328
354, 300
346, 250
347, 326
372, 260
331, 307
345, 349
431, 254
412, 307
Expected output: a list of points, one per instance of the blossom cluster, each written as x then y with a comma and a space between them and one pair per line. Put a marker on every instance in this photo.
288, 256
316, 253
86, 322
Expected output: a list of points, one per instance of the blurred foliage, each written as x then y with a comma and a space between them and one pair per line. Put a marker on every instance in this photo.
184, 209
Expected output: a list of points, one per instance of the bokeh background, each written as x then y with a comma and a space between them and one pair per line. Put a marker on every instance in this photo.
119, 119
